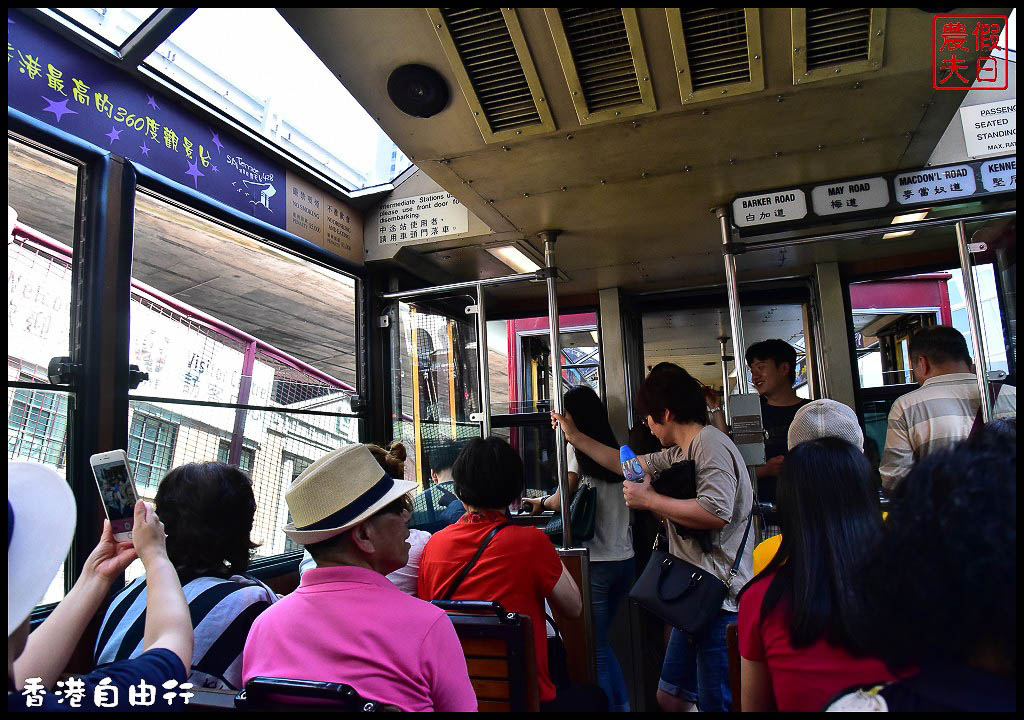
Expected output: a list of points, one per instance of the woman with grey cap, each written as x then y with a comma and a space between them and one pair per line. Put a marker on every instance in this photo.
802, 618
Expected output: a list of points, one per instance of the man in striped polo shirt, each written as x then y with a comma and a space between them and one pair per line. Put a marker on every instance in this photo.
943, 410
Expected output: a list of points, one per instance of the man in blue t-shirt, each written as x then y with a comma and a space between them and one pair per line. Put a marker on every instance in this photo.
40, 525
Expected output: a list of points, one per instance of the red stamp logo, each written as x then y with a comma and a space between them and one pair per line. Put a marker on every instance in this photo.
967, 53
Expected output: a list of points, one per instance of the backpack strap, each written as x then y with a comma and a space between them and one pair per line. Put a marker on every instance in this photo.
469, 566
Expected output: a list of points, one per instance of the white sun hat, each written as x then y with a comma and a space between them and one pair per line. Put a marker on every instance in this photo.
40, 526
337, 492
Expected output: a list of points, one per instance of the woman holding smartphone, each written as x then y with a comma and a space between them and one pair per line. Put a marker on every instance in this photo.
611, 548
40, 525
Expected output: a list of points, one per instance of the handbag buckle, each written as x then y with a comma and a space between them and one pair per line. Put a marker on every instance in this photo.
666, 563
696, 577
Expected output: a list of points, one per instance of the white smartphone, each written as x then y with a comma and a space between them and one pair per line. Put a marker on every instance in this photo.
117, 490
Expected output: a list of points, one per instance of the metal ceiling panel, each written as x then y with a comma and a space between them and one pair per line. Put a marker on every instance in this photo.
830, 42
603, 58
493, 66
717, 51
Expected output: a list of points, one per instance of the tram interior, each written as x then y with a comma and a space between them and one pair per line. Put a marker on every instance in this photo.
288, 358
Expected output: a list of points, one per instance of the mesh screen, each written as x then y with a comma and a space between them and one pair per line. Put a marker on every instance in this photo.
436, 385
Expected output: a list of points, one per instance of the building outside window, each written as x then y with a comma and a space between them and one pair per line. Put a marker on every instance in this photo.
37, 424
150, 448
245, 462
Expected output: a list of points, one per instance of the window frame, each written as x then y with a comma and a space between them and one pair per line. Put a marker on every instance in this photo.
101, 296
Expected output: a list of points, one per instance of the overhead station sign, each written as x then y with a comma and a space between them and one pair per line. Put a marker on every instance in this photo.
850, 196
768, 208
864, 196
935, 185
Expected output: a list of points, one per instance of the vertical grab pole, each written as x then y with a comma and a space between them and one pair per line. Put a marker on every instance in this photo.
735, 316
481, 348
725, 379
549, 237
980, 365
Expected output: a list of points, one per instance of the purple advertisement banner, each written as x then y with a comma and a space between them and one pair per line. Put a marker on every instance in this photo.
53, 81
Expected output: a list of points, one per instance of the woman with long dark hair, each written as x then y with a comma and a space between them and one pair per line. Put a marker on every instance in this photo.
611, 548
944, 583
802, 618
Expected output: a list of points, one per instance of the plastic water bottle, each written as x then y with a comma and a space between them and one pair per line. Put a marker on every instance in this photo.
631, 467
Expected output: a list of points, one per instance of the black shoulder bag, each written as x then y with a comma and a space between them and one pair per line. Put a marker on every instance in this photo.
680, 593
582, 515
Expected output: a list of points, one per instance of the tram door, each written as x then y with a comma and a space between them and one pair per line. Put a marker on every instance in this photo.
435, 388
887, 310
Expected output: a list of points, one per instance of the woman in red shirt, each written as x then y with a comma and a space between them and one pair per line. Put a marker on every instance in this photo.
803, 619
519, 568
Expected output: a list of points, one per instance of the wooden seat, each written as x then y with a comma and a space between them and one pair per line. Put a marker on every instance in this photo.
499, 653
732, 642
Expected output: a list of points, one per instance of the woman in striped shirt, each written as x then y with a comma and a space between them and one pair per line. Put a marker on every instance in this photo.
207, 510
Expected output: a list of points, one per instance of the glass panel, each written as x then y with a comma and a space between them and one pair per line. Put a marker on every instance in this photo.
112, 24
993, 273
524, 386
264, 76
690, 338
41, 197
435, 384
220, 319
202, 293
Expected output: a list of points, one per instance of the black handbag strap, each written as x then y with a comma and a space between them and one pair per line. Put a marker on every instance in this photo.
739, 555
469, 566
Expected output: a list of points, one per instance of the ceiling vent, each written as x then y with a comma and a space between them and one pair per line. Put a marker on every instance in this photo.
602, 55
835, 42
493, 66
717, 51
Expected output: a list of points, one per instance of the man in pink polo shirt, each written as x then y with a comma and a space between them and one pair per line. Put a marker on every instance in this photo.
346, 622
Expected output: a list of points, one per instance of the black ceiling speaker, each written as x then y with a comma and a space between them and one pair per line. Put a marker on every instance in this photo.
418, 90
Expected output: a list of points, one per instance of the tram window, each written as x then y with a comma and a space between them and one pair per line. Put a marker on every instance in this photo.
524, 385
221, 320
690, 338
112, 24
272, 73
435, 383
41, 197
886, 312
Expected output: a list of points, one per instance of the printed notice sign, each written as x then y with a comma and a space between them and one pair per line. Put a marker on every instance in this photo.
423, 217
773, 207
999, 175
990, 129
323, 220
850, 196
936, 185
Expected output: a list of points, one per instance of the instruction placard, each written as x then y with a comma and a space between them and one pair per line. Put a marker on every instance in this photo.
990, 129
422, 217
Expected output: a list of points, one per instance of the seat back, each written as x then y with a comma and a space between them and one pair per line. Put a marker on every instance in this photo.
499, 652
578, 632
263, 694
732, 642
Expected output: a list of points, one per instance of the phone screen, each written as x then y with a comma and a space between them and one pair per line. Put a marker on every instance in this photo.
118, 494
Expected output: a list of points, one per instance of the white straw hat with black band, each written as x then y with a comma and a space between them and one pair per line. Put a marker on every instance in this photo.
40, 525
337, 492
